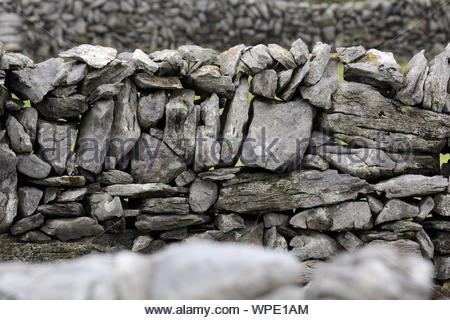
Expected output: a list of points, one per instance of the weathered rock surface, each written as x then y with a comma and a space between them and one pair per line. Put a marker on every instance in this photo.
208, 79
193, 53
71, 195
115, 177
320, 58
265, 83
405, 247
412, 185
145, 81
141, 59
54, 108
28, 119
229, 222
442, 205
353, 215
229, 60
349, 241
297, 77
64, 210
221, 174
300, 51
19, 140
278, 135
72, 228
27, 224
411, 91
435, 89
32, 166
168, 221
202, 195
275, 220
283, 56
103, 206
442, 267
151, 109
95, 56
313, 245
256, 59
425, 243
8, 187
29, 198
147, 190
175, 205
426, 205
396, 210
350, 54
141, 243
185, 178
266, 192
274, 240
62, 181
105, 91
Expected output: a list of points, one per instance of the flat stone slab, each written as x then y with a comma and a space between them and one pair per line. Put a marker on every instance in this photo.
144, 190
412, 185
94, 56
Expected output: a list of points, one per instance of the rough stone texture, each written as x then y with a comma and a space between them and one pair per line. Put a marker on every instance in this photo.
371, 273
146, 81
62, 181
275, 220
19, 140
229, 222
176, 205
278, 135
375, 204
442, 269
313, 245
412, 185
350, 54
32, 166
103, 206
8, 187
396, 209
94, 56
344, 216
185, 178
202, 195
425, 243
147, 190
27, 224
54, 108
105, 91
442, 205
256, 59
221, 174
151, 109
265, 192
349, 241
115, 177
64, 210
425, 207
28, 119
229, 60
435, 90
300, 52
141, 59
297, 77
319, 61
282, 56
168, 221
141, 243
265, 83
72, 195
274, 240
411, 91
29, 198
72, 228
406, 247
208, 79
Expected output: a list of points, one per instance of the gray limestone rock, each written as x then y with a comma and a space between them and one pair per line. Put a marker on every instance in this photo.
29, 198
35, 237
64, 210
269, 192
354, 276
61, 181
404, 246
284, 78
93, 138
125, 130
412, 185
202, 195
28, 119
354, 215
72, 228
435, 89
437, 225
141, 243
170, 62
401, 226
300, 51
146, 81
174, 205
55, 140
426, 205
103, 206
185, 178
319, 94
319, 61
376, 68
208, 79
19, 140
71, 195
442, 267
148, 190
362, 116
278, 135
441, 243
396, 209
229, 60
115, 177
274, 240
313, 245
411, 91
229, 222
256, 59
77, 73
151, 109
275, 220
350, 54
95, 56
176, 234
283, 56
50, 194
193, 53
54, 108
375, 204
236, 117
425, 243
32, 166
34, 83
15, 61
265, 84
154, 161
221, 174
8, 187
442, 204
349, 241
168, 221
141, 59
105, 91
297, 77
27, 224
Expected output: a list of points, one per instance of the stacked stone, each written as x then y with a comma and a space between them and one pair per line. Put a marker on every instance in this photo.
193, 144
403, 26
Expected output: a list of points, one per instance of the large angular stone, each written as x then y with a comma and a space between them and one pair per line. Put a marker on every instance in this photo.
274, 240
19, 140
145, 81
300, 51
283, 56
229, 222
114, 72
319, 61
72, 228
425, 243
268, 192
141, 59
412, 185
185, 178
442, 205
193, 53
105, 91
55, 140
115, 177
93, 138
319, 95
34, 83
151, 109
125, 130
77, 73
376, 68
397, 210
360, 115
435, 89
313, 245
103, 206
208, 79
175, 205
8, 187
256, 59
32, 166
354, 215
202, 195
154, 161
297, 77
229, 60
29, 198
148, 190
350, 54
411, 91
168, 221
170, 62
27, 224
265, 84
278, 135
236, 117
64, 210
28, 119
95, 56
349, 241
71, 107
71, 195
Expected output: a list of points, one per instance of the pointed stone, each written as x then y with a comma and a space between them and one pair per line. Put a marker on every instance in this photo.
411, 91
397, 210
320, 58
256, 59
141, 59
29, 198
426, 205
350, 54
300, 52
229, 60
202, 195
442, 205
27, 224
19, 140
283, 56
435, 90
297, 77
28, 119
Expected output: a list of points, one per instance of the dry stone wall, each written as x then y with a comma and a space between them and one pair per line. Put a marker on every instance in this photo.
259, 144
41, 29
